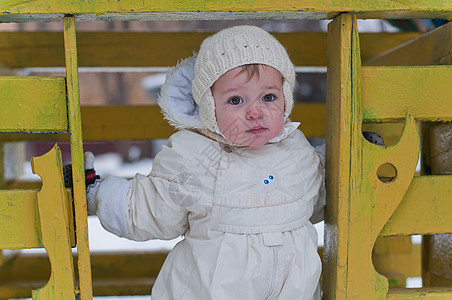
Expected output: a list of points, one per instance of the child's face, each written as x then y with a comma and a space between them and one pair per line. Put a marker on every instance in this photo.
249, 111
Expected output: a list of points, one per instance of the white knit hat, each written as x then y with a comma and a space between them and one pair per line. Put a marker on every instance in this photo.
233, 47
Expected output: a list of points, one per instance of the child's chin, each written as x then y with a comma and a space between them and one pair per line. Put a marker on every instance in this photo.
256, 143
253, 141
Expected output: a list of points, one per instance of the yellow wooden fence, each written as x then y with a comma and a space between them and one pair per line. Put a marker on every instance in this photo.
369, 83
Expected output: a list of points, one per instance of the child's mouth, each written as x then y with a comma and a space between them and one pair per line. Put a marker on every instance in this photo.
257, 130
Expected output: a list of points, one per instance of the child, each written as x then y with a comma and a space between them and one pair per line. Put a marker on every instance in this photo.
239, 181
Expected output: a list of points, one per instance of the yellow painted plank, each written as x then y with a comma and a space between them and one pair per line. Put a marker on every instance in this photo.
114, 273
124, 122
144, 122
17, 219
2, 164
337, 134
137, 49
16, 291
432, 48
388, 92
312, 117
78, 171
11, 137
120, 287
18, 212
53, 227
423, 208
21, 185
440, 293
33, 104
152, 9
402, 259
377, 44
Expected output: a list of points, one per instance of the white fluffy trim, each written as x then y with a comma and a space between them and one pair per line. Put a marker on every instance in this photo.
176, 98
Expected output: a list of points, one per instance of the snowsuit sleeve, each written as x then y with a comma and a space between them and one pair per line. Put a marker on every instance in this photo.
146, 207
319, 207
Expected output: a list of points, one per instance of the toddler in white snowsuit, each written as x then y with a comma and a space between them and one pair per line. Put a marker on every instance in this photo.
239, 181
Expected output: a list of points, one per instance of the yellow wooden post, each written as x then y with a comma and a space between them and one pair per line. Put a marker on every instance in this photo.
338, 92
2, 182
78, 171
2, 165
359, 202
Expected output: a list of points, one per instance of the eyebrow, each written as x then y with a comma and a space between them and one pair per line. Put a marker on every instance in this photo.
229, 90
271, 87
233, 89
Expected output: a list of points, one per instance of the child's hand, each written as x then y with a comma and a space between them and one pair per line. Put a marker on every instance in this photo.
90, 173
91, 181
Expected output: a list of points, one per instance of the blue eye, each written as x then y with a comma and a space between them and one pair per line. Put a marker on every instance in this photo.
269, 98
235, 100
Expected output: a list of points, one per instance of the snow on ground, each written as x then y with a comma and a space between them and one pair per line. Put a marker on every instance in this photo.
101, 240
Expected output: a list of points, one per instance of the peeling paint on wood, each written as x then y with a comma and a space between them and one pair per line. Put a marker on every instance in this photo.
78, 170
33, 104
360, 203
53, 228
18, 11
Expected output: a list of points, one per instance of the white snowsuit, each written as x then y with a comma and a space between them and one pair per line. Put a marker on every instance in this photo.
244, 212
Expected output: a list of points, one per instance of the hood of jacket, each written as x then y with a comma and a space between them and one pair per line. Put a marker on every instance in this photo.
176, 97
182, 112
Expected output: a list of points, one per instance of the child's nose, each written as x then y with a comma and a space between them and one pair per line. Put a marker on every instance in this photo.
254, 111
